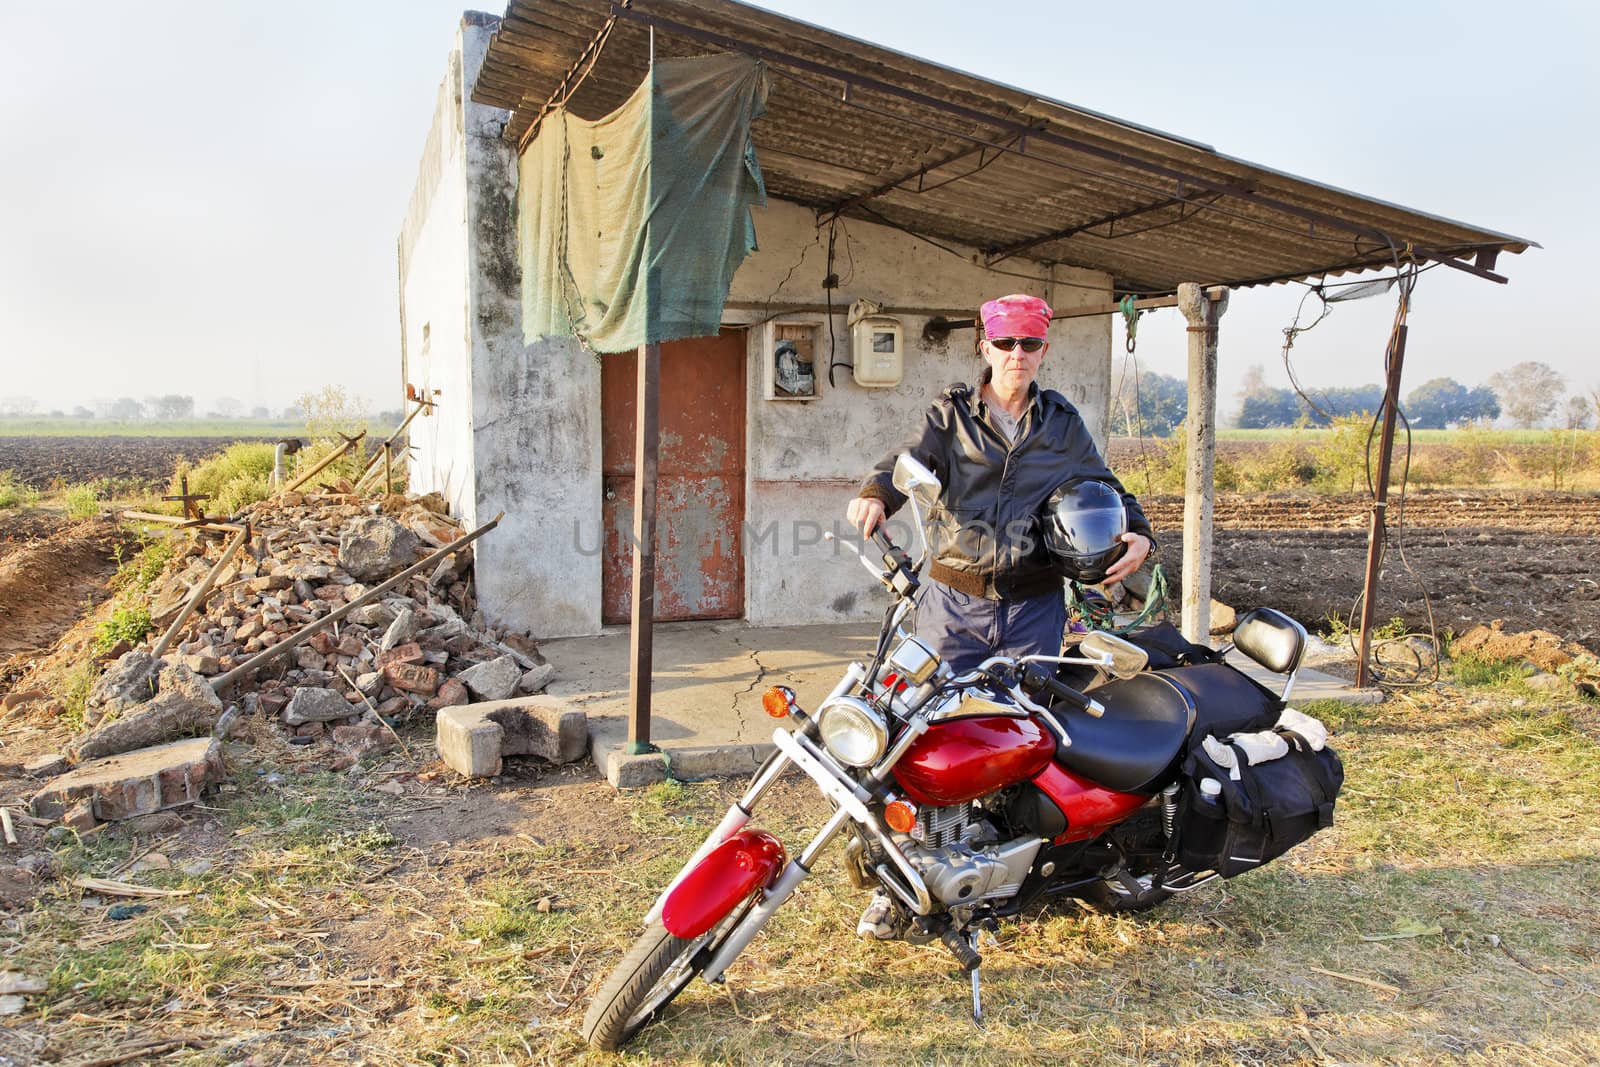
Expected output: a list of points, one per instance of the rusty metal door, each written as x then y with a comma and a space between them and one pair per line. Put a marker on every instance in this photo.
699, 482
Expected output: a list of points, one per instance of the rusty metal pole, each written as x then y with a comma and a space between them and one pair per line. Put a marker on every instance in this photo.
646, 452
1380, 505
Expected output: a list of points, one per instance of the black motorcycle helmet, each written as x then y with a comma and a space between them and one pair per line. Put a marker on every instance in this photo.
1083, 524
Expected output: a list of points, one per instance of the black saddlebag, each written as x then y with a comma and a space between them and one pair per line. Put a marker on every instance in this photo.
1269, 809
1167, 647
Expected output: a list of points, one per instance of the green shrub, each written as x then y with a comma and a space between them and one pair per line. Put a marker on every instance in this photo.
14, 492
237, 476
348, 465
73, 687
129, 622
1341, 457
1282, 469
1557, 456
138, 573
82, 501
1476, 454
1167, 472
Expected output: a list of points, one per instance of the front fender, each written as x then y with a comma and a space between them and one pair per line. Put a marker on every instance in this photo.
729, 873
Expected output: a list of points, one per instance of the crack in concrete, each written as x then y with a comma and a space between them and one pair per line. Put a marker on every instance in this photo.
762, 670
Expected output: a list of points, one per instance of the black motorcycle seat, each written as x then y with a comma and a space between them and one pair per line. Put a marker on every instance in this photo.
1131, 747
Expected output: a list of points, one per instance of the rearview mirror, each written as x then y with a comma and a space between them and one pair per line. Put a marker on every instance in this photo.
917, 481
1123, 658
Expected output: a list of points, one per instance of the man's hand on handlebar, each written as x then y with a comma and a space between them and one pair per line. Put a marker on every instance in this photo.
865, 514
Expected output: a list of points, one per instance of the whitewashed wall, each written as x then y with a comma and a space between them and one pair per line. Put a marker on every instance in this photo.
528, 443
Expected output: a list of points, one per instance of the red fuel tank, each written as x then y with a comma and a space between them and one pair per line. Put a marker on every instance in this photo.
963, 759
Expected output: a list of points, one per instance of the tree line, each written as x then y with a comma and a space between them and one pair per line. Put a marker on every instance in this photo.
170, 407
1528, 394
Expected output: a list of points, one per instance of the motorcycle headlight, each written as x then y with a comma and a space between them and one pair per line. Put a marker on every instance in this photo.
853, 731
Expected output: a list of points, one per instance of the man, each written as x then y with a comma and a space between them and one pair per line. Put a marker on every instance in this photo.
999, 450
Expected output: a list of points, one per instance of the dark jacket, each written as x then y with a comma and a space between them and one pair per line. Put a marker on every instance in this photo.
985, 533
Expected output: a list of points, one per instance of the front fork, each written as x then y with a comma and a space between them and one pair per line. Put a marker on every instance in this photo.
850, 800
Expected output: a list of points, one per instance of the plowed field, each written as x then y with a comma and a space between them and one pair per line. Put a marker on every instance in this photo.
1532, 559
44, 461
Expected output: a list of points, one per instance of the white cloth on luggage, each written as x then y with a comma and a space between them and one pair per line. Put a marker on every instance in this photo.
1315, 734
1257, 748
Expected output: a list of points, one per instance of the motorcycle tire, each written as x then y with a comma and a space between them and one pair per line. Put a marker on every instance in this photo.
656, 969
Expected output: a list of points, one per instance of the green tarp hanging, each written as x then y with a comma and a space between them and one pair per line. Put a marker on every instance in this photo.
630, 227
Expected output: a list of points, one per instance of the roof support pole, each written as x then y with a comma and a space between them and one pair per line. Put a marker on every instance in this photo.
646, 453
1203, 310
1378, 534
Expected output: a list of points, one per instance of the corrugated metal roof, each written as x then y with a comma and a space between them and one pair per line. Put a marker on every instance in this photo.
858, 129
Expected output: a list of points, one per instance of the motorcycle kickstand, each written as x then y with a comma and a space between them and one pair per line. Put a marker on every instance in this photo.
977, 999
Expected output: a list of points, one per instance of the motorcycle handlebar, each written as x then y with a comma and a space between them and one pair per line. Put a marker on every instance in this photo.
900, 576
1036, 680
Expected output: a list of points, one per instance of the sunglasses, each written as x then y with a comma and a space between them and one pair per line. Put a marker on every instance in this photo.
1027, 344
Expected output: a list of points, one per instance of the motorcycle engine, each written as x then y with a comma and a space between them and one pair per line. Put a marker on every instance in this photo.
960, 858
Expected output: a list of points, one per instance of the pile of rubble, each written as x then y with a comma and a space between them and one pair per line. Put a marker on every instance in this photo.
419, 646
353, 663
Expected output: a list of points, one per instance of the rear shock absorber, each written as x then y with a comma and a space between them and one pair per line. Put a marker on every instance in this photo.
1169, 810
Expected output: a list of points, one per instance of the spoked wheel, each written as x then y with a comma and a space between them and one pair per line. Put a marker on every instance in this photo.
657, 968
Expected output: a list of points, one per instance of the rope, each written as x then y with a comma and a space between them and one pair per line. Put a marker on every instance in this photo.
1098, 614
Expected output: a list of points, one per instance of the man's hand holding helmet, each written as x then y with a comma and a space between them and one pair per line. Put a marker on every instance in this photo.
1138, 550
1085, 528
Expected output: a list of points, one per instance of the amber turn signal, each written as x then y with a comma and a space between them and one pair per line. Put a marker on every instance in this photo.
901, 815
777, 701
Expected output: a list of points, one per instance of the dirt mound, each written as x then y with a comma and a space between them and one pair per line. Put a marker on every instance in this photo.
45, 580
1543, 649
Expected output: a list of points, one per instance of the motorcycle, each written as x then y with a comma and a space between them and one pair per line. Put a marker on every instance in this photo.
967, 798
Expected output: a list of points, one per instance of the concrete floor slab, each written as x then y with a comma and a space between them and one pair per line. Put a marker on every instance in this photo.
706, 705
706, 712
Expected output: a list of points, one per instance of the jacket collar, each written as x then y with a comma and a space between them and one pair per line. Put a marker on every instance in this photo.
982, 407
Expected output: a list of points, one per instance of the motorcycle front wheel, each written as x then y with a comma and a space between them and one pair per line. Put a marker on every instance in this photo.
655, 970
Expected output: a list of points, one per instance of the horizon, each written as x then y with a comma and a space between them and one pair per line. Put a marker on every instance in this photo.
229, 229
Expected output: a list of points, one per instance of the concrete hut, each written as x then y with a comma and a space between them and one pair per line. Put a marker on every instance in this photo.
894, 185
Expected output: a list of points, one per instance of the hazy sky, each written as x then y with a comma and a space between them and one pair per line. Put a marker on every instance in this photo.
204, 198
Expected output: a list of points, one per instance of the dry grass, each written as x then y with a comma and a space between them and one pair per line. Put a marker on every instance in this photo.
1449, 915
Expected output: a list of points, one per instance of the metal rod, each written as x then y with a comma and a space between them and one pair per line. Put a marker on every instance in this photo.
200, 592
349, 443
840, 206
1380, 506
392, 438
221, 684
1214, 292
646, 456
1111, 155
995, 255
182, 523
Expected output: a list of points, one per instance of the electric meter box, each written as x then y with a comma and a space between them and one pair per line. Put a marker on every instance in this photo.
877, 346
